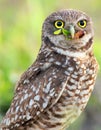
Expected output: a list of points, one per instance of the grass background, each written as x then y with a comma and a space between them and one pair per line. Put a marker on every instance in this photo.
20, 40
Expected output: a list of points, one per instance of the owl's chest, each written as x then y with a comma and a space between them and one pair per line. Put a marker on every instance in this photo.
81, 72
81, 77
80, 83
77, 91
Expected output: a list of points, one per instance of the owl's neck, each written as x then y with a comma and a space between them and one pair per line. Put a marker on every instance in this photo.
79, 53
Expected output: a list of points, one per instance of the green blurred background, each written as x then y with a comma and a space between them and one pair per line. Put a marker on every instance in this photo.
20, 32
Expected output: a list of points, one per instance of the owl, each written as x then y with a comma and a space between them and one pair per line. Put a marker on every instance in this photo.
54, 90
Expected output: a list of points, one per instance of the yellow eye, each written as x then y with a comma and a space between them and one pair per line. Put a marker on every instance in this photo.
59, 24
82, 23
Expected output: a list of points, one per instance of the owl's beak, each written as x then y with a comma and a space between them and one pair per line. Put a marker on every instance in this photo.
72, 31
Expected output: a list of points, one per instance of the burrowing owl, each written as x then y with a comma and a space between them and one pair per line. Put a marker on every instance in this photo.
55, 89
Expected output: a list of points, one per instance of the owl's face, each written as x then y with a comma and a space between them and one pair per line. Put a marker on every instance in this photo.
68, 28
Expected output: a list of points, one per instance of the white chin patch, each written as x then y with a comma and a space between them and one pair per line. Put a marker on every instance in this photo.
67, 52
70, 53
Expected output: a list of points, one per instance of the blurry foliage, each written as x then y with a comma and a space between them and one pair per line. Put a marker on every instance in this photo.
20, 38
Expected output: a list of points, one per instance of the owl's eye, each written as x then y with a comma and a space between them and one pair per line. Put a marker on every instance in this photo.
82, 23
59, 24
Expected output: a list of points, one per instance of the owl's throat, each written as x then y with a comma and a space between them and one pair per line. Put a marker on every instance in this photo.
70, 46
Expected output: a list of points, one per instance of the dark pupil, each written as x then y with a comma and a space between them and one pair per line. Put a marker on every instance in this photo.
59, 24
82, 23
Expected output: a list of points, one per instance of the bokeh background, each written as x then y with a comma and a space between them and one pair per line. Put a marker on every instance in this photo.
20, 40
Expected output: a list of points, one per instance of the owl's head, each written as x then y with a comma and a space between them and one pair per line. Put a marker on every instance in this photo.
68, 29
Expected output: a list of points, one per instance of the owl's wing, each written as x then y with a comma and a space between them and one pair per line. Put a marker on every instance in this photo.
36, 92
